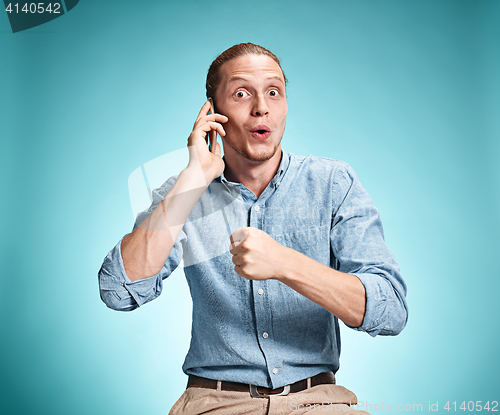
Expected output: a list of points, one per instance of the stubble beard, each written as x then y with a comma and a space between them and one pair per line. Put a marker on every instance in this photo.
259, 157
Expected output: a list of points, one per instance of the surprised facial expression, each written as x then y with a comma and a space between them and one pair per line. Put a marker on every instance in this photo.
252, 95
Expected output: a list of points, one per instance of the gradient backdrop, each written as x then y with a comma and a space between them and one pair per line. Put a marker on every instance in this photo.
407, 92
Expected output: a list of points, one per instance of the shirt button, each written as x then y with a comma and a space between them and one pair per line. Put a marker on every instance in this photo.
265, 335
275, 370
256, 208
277, 183
261, 291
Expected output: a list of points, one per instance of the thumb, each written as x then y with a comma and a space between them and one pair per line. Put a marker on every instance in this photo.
238, 236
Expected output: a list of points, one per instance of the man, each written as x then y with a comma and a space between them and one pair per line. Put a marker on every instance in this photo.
295, 245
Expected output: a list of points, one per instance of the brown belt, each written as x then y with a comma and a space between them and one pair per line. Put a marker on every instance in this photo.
258, 391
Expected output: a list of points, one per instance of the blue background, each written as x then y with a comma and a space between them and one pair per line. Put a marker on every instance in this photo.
407, 92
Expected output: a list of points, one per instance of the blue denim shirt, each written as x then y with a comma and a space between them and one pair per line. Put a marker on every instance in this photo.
263, 332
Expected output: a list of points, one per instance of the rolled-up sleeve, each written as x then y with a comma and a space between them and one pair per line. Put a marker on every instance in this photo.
358, 245
116, 289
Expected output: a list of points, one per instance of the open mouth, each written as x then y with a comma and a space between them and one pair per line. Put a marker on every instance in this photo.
261, 132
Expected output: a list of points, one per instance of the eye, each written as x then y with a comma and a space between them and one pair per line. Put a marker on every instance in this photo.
274, 92
240, 94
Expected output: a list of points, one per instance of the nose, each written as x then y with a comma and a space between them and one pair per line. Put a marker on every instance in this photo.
260, 107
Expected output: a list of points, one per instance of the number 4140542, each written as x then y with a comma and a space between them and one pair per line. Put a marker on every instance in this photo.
472, 406
34, 8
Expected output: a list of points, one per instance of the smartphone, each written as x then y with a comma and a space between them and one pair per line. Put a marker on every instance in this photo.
212, 135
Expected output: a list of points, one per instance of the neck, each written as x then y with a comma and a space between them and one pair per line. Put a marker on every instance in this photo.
254, 175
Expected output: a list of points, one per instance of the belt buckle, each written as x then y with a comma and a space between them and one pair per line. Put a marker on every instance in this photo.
256, 394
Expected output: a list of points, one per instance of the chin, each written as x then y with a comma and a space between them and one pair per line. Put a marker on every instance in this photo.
258, 156
261, 153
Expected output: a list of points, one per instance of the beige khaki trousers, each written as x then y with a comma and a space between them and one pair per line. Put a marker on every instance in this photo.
320, 399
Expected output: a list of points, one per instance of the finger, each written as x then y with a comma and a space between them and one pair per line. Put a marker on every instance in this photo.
212, 110
202, 132
217, 149
204, 110
233, 248
238, 271
212, 125
237, 248
237, 260
238, 236
217, 117
210, 118
242, 272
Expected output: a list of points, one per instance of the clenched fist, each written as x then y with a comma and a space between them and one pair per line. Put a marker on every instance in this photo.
256, 255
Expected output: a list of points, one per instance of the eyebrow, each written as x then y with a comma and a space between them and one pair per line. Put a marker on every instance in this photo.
242, 78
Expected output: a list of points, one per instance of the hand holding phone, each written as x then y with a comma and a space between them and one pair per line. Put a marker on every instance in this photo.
202, 144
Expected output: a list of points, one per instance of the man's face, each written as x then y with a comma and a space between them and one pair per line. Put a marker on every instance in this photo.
252, 95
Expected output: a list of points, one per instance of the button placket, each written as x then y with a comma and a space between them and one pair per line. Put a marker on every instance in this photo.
262, 311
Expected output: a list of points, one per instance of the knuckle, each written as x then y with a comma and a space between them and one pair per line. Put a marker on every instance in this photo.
246, 259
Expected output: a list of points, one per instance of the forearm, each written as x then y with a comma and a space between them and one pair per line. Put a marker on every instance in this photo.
146, 249
341, 294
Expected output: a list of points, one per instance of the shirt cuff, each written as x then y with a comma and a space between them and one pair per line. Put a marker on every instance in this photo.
118, 292
385, 311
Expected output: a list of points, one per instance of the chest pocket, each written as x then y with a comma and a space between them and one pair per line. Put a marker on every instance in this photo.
303, 227
313, 242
